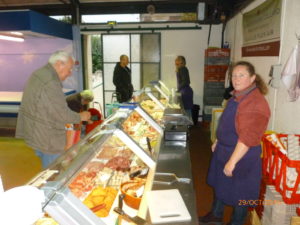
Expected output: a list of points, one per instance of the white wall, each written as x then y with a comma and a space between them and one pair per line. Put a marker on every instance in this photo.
285, 115
288, 113
191, 44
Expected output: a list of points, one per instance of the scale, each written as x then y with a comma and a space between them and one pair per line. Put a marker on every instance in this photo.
176, 132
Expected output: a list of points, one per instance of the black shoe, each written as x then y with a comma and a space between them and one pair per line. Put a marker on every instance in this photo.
210, 218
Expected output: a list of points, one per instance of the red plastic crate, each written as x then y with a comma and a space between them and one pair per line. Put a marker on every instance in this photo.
275, 166
271, 160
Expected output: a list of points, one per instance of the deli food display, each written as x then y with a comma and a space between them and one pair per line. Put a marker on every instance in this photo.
46, 221
112, 165
116, 158
140, 130
153, 109
99, 182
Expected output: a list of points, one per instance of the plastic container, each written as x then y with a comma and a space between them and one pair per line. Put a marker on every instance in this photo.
111, 108
276, 165
131, 201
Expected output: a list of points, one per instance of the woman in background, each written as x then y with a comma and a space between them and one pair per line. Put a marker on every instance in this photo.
183, 84
235, 169
77, 102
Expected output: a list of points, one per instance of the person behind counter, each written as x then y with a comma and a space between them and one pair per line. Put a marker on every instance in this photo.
44, 111
235, 168
183, 84
122, 80
78, 103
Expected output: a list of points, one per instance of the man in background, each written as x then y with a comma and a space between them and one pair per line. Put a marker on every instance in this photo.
122, 80
44, 111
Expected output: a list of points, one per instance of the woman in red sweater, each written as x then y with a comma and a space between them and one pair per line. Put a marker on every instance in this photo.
235, 169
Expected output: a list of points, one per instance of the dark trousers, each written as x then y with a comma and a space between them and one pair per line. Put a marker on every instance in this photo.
239, 212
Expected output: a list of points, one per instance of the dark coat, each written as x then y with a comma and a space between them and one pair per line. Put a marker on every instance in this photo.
183, 86
183, 78
74, 103
122, 81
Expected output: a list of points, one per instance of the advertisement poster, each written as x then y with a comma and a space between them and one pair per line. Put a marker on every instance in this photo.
261, 30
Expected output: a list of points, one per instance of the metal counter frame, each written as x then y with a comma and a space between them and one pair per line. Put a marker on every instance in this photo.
174, 157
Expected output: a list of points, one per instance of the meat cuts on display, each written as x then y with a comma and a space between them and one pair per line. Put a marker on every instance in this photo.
119, 163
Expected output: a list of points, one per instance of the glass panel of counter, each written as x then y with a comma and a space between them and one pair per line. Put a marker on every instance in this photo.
82, 186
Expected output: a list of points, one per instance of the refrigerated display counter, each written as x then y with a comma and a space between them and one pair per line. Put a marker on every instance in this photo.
107, 176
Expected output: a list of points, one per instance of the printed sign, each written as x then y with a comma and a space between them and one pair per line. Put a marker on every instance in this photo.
265, 49
262, 23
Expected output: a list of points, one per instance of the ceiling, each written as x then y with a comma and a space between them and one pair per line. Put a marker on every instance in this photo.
213, 8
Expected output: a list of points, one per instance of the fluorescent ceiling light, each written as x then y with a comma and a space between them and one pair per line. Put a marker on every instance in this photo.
11, 38
17, 33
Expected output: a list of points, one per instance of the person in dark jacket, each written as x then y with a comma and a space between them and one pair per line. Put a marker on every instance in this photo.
122, 80
79, 102
183, 84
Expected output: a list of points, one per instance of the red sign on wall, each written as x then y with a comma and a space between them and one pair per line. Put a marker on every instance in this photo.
266, 49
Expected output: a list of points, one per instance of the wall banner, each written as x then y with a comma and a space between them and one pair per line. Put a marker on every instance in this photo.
265, 49
262, 24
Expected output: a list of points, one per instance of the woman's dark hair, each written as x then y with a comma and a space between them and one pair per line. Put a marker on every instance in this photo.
260, 84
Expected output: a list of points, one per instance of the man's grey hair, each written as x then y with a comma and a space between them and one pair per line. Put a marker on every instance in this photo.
59, 56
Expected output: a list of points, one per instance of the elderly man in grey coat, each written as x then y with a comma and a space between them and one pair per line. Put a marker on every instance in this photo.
44, 111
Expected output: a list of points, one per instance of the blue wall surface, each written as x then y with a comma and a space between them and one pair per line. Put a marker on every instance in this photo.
36, 22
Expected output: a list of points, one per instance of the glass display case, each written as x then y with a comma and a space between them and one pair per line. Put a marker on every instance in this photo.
164, 111
115, 163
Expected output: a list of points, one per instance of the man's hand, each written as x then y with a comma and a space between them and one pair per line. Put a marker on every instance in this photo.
85, 116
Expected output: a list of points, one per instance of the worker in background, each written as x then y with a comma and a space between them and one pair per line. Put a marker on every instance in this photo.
122, 80
183, 84
44, 111
78, 103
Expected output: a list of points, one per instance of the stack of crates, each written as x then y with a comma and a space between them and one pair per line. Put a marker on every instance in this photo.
276, 212
216, 65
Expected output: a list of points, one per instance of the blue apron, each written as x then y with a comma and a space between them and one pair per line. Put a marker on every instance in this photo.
242, 189
187, 97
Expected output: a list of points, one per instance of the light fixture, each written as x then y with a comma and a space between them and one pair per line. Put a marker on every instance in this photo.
201, 11
17, 33
12, 36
